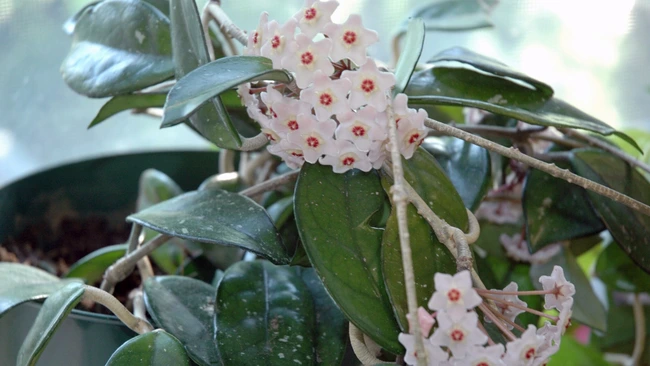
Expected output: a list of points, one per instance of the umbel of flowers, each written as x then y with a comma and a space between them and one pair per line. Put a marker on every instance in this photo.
336, 112
459, 338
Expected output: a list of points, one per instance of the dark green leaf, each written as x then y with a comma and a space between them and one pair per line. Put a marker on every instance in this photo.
68, 26
200, 268
217, 217
489, 65
333, 213
619, 272
453, 15
264, 312
587, 308
119, 46
57, 306
429, 257
189, 50
467, 166
157, 348
281, 211
491, 252
428, 179
125, 102
210, 80
621, 326
409, 58
162, 5
22, 283
185, 308
331, 325
630, 229
91, 268
230, 182
555, 210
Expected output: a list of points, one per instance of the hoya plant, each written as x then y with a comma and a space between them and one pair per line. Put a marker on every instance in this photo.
446, 210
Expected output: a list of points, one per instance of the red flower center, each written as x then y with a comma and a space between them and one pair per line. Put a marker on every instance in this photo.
349, 37
397, 122
296, 153
348, 161
293, 125
310, 13
275, 41
325, 99
307, 58
457, 335
414, 137
312, 142
367, 85
255, 37
358, 131
275, 115
530, 353
453, 294
269, 136
482, 364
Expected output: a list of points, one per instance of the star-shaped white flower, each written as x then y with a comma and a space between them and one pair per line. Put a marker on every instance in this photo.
291, 153
509, 312
564, 320
369, 86
328, 96
313, 17
271, 97
562, 288
435, 354
459, 334
305, 57
551, 345
314, 138
524, 350
244, 93
362, 127
350, 39
411, 132
483, 356
257, 37
286, 119
347, 157
276, 40
256, 114
454, 294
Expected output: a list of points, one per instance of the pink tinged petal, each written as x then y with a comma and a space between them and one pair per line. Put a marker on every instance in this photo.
287, 113
305, 57
290, 153
314, 16
350, 40
509, 312
327, 96
256, 38
315, 141
426, 321
369, 86
435, 355
244, 92
400, 104
275, 45
459, 335
524, 350
563, 288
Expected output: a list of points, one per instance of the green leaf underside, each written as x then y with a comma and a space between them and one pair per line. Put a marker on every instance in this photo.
153, 348
264, 312
54, 310
185, 308
619, 272
430, 256
489, 65
409, 59
630, 228
428, 179
214, 78
453, 15
466, 165
125, 102
91, 268
332, 214
20, 283
331, 325
216, 217
189, 51
587, 308
119, 46
555, 210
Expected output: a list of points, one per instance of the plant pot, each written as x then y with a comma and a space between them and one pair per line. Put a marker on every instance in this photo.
104, 186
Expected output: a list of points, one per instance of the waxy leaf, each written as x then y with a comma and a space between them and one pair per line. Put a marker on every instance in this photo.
125, 102
281, 211
333, 212
466, 165
264, 312
409, 59
630, 229
429, 257
210, 80
188, 44
555, 210
428, 179
119, 46
453, 15
331, 325
57, 306
153, 348
619, 272
20, 283
68, 26
216, 217
184, 307
587, 308
91, 268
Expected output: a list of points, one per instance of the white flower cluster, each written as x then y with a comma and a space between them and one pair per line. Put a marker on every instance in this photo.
338, 116
459, 338
517, 248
